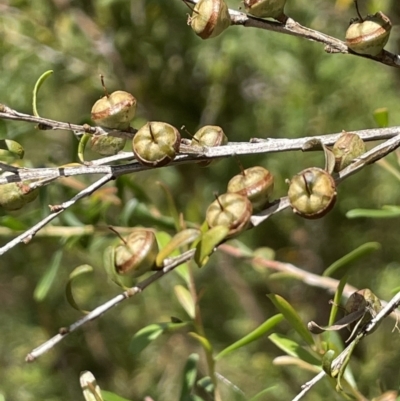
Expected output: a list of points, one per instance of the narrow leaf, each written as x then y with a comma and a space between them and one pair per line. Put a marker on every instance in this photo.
91, 390
253, 336
381, 117
182, 238
149, 333
292, 348
47, 280
82, 146
185, 299
189, 377
206, 384
258, 396
372, 213
84, 269
38, 84
210, 239
337, 298
292, 317
327, 360
203, 341
341, 265
109, 396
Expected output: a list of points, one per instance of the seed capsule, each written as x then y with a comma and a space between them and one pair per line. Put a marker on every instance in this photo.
210, 136
138, 254
369, 36
312, 193
256, 183
114, 111
210, 18
347, 148
156, 144
230, 210
15, 195
266, 8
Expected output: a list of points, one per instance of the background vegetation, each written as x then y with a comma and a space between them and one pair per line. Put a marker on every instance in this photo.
252, 83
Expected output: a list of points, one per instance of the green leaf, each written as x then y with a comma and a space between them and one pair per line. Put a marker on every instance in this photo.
180, 239
292, 348
337, 298
258, 396
253, 336
381, 117
149, 333
210, 239
341, 265
109, 396
327, 360
185, 299
38, 84
291, 316
373, 213
206, 384
189, 377
203, 341
47, 280
82, 146
78, 271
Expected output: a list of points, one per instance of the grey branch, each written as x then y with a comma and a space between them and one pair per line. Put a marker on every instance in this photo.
293, 28
386, 311
169, 265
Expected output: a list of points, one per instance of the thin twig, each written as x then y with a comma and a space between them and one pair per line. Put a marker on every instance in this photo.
170, 265
293, 28
386, 311
29, 234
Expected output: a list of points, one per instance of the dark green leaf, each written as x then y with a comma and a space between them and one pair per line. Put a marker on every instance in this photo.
189, 377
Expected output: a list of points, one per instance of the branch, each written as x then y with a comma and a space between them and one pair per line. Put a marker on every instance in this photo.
293, 28
170, 264
387, 310
29, 234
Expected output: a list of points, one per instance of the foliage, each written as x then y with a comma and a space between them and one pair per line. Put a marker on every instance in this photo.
253, 83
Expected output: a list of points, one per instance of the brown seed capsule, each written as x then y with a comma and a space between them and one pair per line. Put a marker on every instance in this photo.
348, 147
312, 193
230, 210
256, 183
15, 195
369, 35
138, 254
210, 18
114, 111
209, 135
266, 8
156, 144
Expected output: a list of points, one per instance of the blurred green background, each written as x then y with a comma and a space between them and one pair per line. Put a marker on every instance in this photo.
252, 83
